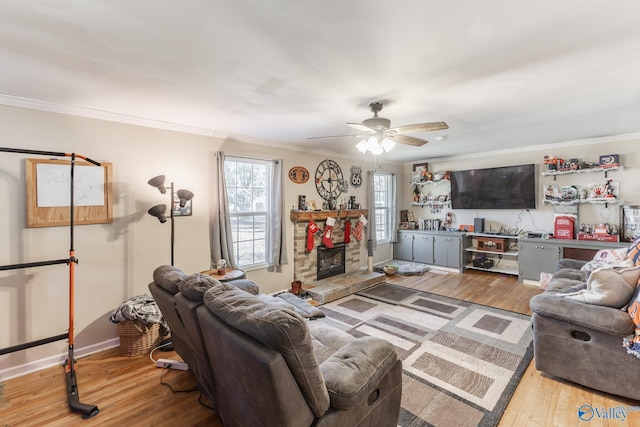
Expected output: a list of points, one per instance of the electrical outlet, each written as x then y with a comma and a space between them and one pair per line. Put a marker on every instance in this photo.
171, 364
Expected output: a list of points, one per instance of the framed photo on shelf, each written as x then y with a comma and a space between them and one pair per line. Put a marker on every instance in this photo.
420, 167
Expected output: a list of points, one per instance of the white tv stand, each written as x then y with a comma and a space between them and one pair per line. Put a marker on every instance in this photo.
504, 261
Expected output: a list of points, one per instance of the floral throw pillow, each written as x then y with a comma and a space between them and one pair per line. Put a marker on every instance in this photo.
632, 342
634, 252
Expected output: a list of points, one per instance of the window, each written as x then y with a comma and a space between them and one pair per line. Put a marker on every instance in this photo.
248, 190
384, 193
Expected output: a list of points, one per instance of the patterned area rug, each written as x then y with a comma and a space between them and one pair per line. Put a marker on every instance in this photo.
461, 361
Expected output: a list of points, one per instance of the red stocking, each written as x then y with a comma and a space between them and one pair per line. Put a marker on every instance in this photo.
357, 232
328, 230
347, 231
312, 229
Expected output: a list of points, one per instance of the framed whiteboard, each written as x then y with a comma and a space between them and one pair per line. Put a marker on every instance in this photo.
48, 192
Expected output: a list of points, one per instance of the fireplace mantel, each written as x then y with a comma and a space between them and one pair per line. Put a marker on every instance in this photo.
304, 216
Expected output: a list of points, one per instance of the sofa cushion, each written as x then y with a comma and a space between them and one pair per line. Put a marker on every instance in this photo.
609, 286
599, 318
195, 285
327, 340
280, 329
356, 369
168, 277
246, 285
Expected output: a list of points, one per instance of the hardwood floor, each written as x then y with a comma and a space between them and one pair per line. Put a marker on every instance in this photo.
128, 391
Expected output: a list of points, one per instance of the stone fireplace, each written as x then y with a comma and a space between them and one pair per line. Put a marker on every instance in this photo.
305, 266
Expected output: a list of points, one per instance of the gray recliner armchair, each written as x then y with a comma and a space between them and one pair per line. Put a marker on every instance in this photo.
274, 368
582, 342
180, 314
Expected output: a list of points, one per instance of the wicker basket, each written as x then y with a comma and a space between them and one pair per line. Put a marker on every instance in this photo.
134, 342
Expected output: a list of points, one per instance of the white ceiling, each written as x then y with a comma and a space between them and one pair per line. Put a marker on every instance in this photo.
501, 73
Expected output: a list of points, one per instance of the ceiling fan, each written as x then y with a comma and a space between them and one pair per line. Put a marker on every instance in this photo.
384, 136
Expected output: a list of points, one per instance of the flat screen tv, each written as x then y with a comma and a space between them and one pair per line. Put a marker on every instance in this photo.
508, 187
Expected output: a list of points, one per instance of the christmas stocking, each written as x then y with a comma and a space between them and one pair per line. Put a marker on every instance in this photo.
357, 232
312, 229
347, 231
328, 230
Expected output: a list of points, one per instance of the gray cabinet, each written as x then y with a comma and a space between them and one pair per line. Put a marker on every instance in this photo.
423, 248
537, 257
447, 251
428, 247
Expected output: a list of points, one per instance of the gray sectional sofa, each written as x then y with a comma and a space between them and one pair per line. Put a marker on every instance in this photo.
265, 363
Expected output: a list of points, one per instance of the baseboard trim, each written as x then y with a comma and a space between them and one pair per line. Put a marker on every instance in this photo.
56, 360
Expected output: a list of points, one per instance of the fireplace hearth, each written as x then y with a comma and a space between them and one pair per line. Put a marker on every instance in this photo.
331, 261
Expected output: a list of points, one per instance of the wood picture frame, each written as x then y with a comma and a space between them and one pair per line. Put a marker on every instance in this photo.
93, 189
420, 167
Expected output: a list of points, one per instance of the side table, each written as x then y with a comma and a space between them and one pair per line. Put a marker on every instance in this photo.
230, 274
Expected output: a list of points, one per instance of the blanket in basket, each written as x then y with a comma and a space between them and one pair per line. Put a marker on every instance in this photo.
142, 310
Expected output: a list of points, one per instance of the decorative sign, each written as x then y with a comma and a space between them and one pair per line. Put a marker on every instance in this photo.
356, 176
299, 174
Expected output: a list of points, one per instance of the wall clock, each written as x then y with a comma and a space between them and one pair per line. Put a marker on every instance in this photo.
329, 180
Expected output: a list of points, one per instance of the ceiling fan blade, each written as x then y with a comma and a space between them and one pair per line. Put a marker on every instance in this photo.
361, 127
408, 140
420, 127
336, 136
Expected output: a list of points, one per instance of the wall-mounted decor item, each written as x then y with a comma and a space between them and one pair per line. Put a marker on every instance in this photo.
419, 172
356, 176
299, 174
48, 192
329, 181
181, 205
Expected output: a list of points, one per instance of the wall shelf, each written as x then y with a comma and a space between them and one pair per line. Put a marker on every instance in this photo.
574, 171
432, 204
442, 181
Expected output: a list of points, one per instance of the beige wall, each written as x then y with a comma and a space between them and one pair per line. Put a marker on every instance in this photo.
116, 260
541, 218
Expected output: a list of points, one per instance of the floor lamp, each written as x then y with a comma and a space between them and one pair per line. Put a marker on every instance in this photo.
160, 211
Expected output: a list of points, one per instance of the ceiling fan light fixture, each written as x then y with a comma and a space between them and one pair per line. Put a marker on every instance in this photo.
378, 150
387, 144
373, 143
362, 146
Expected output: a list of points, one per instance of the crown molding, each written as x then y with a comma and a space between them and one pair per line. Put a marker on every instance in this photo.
91, 113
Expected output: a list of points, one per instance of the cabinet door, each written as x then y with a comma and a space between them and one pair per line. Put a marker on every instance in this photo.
528, 265
403, 248
453, 245
447, 251
537, 257
548, 257
423, 248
